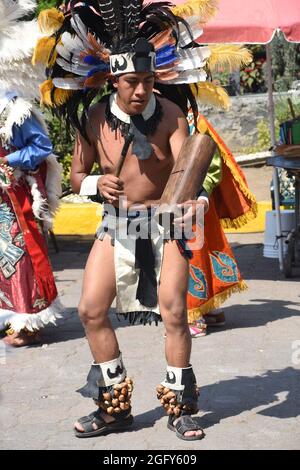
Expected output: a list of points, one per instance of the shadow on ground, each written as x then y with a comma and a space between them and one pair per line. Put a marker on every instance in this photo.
256, 313
277, 390
70, 327
73, 252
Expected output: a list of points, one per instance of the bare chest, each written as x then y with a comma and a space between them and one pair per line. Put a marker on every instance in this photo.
110, 145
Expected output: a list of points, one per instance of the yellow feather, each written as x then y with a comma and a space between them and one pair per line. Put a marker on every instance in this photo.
43, 49
61, 96
206, 9
45, 90
50, 20
208, 93
231, 57
52, 96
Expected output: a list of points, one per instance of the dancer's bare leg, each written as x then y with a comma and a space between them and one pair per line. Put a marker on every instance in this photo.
98, 292
172, 301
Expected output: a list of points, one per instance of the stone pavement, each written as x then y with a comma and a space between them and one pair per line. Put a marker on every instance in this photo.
249, 370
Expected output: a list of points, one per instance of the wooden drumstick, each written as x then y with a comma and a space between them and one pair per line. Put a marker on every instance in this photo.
128, 140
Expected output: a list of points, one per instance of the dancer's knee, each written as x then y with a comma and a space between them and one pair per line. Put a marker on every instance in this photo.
174, 316
92, 316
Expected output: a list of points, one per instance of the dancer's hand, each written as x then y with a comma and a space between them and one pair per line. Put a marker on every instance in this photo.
111, 188
193, 212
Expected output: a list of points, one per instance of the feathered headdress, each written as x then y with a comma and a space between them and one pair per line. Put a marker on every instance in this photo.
17, 42
87, 43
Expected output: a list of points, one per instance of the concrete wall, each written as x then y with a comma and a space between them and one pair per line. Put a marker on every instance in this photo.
238, 126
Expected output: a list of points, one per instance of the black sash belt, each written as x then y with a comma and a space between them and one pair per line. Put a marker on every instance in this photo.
146, 291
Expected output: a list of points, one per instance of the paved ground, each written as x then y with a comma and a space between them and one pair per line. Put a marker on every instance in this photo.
249, 371
259, 179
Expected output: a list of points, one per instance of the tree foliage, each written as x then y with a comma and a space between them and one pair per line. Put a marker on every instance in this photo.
43, 4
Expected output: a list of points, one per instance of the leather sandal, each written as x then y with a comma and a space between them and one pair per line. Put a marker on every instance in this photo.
122, 422
185, 423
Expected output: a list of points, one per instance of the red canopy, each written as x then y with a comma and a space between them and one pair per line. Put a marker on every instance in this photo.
253, 21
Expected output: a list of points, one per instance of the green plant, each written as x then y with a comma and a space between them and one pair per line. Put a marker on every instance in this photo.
285, 62
252, 77
61, 136
43, 4
63, 143
221, 77
263, 135
66, 164
283, 112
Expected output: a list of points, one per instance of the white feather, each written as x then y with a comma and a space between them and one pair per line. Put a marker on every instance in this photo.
26, 80
190, 76
68, 83
17, 111
71, 47
53, 185
31, 321
66, 54
10, 11
80, 29
196, 30
190, 59
72, 43
18, 41
39, 204
77, 68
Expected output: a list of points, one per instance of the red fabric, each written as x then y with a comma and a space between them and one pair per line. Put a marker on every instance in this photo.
229, 200
20, 288
213, 268
251, 22
34, 241
214, 273
32, 287
3, 152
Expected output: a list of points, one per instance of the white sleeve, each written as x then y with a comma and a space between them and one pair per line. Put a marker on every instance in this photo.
203, 198
89, 185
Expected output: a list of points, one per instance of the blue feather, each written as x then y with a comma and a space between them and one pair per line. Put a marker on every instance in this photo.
101, 68
90, 59
165, 50
165, 55
163, 62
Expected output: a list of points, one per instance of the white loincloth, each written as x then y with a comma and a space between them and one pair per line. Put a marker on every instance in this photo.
127, 275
